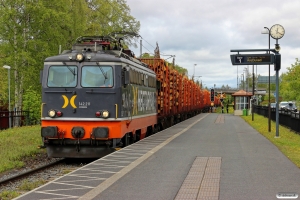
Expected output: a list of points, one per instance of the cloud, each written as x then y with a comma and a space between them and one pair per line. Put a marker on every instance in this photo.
203, 32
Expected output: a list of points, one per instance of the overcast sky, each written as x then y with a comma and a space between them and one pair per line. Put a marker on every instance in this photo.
203, 32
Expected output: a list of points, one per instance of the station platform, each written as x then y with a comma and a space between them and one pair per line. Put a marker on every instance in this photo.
210, 156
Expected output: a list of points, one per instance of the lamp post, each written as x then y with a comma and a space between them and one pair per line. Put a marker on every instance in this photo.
237, 77
8, 68
266, 30
243, 83
246, 77
198, 79
194, 71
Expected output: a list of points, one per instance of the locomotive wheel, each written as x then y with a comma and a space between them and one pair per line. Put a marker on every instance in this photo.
159, 127
172, 121
138, 136
155, 129
132, 138
176, 121
149, 131
125, 140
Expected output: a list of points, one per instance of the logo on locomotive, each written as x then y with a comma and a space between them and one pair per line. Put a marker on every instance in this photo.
66, 101
137, 101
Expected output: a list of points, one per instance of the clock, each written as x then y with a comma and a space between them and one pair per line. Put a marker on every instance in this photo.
277, 31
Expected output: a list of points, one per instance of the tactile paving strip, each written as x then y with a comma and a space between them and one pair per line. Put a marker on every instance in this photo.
220, 119
202, 181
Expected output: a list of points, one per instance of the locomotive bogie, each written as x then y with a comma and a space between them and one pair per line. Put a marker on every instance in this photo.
88, 136
91, 129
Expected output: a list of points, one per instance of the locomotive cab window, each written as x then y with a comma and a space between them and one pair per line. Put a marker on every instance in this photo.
62, 76
97, 76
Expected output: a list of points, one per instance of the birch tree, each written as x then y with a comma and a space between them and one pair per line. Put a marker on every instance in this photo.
32, 30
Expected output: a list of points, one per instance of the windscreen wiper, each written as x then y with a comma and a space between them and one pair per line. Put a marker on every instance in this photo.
72, 71
104, 74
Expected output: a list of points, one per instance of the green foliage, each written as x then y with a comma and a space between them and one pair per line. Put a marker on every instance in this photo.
181, 70
3, 87
230, 109
32, 102
33, 30
290, 83
17, 143
107, 16
146, 55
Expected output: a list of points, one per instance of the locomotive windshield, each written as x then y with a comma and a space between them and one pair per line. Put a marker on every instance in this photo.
62, 76
97, 76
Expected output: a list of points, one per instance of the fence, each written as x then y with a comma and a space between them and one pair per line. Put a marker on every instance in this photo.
17, 118
286, 118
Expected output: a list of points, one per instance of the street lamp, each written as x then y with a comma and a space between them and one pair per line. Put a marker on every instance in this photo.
266, 30
194, 71
198, 80
246, 77
242, 83
237, 77
8, 68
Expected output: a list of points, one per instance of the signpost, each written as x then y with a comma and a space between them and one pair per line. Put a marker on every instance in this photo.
261, 59
252, 59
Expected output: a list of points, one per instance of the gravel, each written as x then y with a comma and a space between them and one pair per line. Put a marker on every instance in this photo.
46, 175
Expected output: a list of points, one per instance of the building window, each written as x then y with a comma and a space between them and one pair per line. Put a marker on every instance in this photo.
241, 103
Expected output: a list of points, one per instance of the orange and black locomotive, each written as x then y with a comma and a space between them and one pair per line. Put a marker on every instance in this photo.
97, 97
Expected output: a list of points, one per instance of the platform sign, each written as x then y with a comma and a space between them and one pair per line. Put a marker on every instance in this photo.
252, 59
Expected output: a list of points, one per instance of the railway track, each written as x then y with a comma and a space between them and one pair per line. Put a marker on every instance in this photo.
30, 172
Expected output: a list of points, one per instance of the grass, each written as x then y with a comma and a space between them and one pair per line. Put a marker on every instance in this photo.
8, 195
17, 144
29, 185
66, 171
25, 186
288, 142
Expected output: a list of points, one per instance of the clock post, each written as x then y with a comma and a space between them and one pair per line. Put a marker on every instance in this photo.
277, 66
277, 32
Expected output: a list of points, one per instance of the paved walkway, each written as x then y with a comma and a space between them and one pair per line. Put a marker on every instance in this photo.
251, 166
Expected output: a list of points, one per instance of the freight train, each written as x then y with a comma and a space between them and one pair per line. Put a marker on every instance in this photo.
98, 97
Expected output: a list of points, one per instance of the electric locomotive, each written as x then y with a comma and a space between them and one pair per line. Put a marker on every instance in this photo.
96, 97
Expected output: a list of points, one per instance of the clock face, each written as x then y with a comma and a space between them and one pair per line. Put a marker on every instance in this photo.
277, 31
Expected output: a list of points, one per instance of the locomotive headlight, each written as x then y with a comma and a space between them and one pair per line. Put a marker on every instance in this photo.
105, 114
79, 57
51, 113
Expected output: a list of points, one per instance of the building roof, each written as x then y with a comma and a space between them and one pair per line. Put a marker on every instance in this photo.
242, 93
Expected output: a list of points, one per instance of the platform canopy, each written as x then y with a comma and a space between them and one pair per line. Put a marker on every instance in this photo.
242, 93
